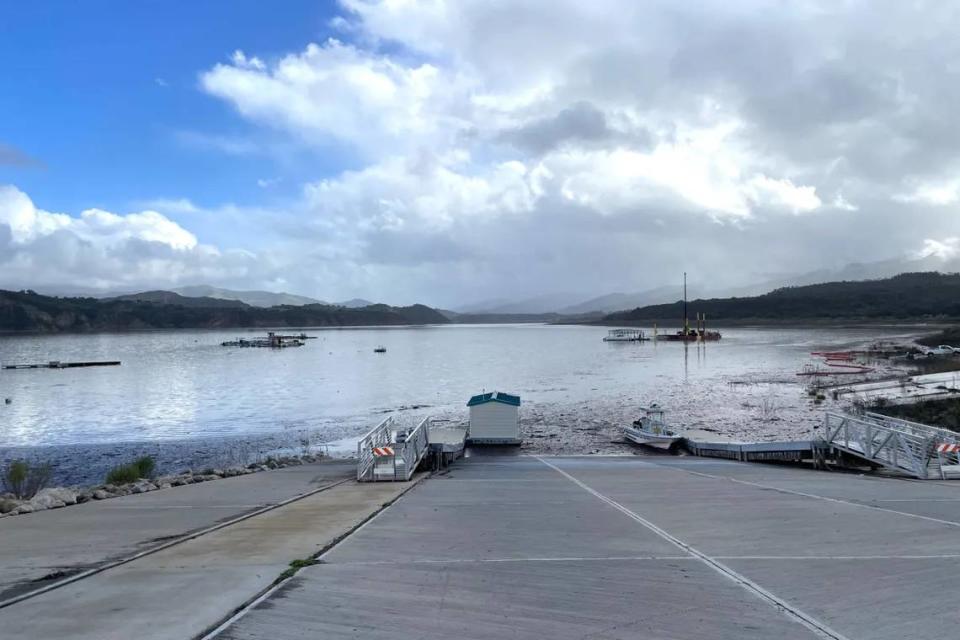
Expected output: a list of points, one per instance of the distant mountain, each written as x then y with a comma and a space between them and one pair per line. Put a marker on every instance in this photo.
252, 298
27, 311
354, 303
619, 301
908, 296
547, 303
169, 297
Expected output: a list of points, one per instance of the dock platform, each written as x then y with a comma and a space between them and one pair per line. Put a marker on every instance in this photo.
791, 450
626, 547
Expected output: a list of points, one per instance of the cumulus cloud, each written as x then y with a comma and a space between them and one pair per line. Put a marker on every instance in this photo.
98, 249
518, 148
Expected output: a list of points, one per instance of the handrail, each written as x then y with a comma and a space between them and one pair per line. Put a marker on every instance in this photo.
890, 442
379, 436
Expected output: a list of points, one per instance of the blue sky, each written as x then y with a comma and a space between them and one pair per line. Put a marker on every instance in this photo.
449, 151
105, 96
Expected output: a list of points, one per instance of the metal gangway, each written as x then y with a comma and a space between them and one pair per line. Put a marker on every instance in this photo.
919, 450
390, 453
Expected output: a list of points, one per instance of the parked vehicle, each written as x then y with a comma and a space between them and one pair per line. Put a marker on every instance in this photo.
942, 350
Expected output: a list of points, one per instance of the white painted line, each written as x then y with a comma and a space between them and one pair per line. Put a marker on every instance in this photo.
506, 560
947, 556
827, 498
919, 500
791, 611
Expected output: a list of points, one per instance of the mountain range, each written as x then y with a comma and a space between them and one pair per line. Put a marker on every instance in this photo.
921, 296
28, 311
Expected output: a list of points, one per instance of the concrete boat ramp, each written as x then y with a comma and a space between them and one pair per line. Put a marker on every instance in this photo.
633, 547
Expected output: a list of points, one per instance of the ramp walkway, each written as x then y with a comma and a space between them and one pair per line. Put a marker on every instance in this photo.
916, 449
390, 453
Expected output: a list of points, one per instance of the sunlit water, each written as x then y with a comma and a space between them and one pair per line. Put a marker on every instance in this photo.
183, 384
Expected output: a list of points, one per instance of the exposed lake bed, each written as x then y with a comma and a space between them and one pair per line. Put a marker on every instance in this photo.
190, 402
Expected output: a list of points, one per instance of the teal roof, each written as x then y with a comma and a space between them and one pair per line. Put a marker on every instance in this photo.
496, 396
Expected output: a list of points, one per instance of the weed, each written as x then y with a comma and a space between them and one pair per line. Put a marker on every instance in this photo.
295, 566
143, 467
24, 479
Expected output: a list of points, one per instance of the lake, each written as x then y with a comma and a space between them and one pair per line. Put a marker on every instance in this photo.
184, 386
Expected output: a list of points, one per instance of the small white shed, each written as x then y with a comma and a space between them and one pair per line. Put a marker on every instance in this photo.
494, 418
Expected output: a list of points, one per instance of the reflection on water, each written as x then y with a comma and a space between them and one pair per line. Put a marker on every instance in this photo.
183, 384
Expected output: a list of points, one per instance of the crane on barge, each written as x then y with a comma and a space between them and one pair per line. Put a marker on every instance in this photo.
687, 334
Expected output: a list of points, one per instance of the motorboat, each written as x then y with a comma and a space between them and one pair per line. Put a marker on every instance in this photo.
651, 430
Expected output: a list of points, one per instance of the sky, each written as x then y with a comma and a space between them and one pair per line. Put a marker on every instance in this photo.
449, 152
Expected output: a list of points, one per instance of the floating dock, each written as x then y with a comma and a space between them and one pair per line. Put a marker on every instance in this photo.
272, 341
57, 364
791, 450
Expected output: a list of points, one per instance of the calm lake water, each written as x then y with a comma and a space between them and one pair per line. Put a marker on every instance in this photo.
183, 384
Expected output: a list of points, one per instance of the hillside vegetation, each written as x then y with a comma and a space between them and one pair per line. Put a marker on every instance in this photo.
27, 311
908, 296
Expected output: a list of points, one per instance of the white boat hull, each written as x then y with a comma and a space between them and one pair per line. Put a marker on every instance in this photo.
650, 439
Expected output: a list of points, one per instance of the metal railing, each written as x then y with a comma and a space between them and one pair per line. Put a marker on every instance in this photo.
379, 436
890, 442
406, 454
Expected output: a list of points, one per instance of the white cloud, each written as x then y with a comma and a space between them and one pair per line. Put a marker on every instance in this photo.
945, 248
100, 249
514, 143
938, 193
336, 91
783, 193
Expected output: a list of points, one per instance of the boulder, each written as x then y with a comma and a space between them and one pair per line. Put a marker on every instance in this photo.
47, 499
26, 507
101, 494
63, 494
8, 504
142, 486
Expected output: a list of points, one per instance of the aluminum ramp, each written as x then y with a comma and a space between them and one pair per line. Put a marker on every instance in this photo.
916, 449
380, 457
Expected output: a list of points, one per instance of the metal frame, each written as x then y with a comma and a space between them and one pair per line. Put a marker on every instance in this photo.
891, 442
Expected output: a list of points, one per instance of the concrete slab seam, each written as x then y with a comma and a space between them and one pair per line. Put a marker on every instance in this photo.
251, 604
827, 498
180, 540
791, 611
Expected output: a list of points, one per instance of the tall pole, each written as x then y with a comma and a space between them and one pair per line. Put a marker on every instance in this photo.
686, 321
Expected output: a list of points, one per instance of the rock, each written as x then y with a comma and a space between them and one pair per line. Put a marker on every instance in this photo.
7, 496
8, 504
101, 494
63, 494
26, 507
165, 485
142, 486
47, 499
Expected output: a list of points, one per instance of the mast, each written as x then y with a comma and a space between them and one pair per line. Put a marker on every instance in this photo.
686, 320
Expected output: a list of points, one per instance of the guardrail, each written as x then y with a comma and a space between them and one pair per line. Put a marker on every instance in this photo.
891, 442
